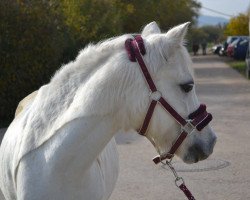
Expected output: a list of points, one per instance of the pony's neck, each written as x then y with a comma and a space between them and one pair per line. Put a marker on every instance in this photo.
71, 79
95, 133
83, 140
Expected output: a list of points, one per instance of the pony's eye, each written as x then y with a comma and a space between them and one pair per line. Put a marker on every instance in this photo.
187, 87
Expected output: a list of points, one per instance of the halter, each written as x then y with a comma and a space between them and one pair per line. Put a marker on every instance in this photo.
196, 121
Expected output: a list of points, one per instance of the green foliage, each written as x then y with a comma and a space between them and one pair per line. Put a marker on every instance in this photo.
238, 25
208, 34
92, 20
215, 34
197, 35
239, 66
36, 37
32, 43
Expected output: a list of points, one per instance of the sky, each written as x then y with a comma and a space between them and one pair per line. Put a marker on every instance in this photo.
229, 7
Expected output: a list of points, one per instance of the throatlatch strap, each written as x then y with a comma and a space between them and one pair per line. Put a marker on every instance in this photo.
148, 117
173, 149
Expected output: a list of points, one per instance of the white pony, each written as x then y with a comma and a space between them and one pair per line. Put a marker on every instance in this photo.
61, 145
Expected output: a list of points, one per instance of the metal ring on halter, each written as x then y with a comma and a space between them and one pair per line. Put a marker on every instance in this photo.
156, 95
167, 160
179, 181
188, 127
169, 164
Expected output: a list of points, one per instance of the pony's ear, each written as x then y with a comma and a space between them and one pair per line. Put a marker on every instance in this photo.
178, 33
151, 28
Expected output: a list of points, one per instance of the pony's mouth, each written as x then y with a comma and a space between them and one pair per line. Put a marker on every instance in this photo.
198, 152
194, 158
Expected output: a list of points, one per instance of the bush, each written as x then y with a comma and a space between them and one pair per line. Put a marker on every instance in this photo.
36, 37
32, 43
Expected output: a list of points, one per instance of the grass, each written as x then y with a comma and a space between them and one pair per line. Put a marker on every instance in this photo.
238, 65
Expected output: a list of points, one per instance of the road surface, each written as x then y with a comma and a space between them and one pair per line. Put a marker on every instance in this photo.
226, 174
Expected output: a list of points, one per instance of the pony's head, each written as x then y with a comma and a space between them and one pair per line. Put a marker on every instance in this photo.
115, 87
170, 67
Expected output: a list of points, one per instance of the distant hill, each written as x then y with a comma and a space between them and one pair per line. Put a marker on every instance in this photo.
211, 20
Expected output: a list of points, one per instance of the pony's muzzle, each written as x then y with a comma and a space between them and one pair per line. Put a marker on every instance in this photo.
200, 151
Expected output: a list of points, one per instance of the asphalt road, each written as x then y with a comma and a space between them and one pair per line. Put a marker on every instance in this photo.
226, 174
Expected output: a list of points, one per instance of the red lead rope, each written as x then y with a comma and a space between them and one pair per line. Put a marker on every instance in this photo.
186, 192
179, 182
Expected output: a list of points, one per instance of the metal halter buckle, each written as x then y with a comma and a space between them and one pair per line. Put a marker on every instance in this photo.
156, 95
179, 181
188, 127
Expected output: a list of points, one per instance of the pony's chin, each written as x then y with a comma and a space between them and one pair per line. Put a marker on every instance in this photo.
198, 151
190, 159
196, 154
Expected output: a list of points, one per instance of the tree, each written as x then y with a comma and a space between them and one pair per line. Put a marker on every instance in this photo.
32, 40
36, 37
168, 13
215, 33
197, 35
92, 20
238, 25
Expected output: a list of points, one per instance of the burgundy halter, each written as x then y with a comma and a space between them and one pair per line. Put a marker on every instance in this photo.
197, 120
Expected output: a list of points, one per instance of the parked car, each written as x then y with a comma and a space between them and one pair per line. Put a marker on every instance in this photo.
230, 48
230, 40
240, 49
216, 48
223, 50
248, 62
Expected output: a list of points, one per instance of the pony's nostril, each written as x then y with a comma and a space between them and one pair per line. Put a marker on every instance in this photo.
198, 152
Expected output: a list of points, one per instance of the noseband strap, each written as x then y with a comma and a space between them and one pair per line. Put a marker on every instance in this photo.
197, 120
